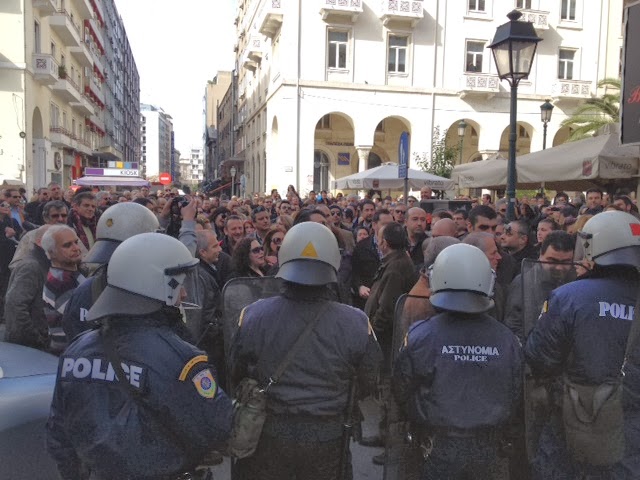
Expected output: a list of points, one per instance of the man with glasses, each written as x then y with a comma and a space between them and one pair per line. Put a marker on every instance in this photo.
411, 201
31, 208
284, 208
517, 243
399, 213
13, 198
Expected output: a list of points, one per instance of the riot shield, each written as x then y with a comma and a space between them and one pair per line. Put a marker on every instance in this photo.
537, 281
237, 294
402, 446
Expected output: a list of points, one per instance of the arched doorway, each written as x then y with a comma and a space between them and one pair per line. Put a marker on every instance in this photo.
524, 131
561, 136
386, 139
333, 153
374, 160
463, 148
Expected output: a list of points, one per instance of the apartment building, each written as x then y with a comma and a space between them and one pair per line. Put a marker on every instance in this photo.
326, 87
69, 90
213, 94
157, 142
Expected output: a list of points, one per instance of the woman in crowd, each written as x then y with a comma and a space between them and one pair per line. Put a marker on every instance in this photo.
272, 243
249, 229
248, 259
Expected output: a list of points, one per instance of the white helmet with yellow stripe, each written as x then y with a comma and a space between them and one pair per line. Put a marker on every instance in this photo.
309, 255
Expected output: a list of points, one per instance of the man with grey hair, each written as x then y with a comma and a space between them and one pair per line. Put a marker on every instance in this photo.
24, 306
54, 212
62, 246
204, 323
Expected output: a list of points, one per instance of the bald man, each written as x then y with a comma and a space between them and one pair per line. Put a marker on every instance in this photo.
445, 227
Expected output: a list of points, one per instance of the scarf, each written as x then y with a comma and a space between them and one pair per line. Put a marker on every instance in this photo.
79, 224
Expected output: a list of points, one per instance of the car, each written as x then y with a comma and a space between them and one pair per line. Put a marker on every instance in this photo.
27, 381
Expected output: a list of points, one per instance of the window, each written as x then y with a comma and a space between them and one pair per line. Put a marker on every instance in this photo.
53, 50
338, 42
566, 60
325, 122
476, 5
522, 132
475, 50
398, 54
526, 4
54, 116
36, 37
568, 10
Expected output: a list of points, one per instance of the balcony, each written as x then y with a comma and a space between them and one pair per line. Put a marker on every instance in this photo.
94, 92
340, 11
62, 23
84, 106
67, 89
254, 48
270, 17
97, 122
84, 8
84, 146
479, 84
97, 63
399, 13
82, 54
45, 69
62, 138
45, 7
94, 30
539, 18
571, 89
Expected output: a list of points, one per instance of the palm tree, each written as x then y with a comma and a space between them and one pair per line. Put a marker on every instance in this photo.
596, 112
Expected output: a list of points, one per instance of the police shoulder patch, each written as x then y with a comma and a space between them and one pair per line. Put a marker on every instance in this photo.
205, 384
190, 364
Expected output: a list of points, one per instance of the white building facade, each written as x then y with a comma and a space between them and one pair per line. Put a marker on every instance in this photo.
156, 128
61, 76
326, 87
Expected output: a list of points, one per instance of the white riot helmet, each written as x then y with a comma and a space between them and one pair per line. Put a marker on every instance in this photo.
612, 238
309, 255
116, 224
462, 280
145, 273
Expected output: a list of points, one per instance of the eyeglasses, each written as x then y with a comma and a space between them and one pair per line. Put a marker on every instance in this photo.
336, 213
58, 215
256, 250
277, 241
484, 228
400, 211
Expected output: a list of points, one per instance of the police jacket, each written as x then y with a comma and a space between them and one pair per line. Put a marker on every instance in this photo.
316, 381
96, 424
584, 327
82, 299
459, 371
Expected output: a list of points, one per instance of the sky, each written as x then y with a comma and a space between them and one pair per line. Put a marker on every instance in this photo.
177, 47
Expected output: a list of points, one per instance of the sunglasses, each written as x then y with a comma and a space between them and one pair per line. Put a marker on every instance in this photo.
59, 215
277, 241
256, 250
401, 211
336, 213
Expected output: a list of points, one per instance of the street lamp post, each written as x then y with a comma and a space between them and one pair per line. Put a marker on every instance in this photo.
232, 171
462, 126
514, 47
546, 109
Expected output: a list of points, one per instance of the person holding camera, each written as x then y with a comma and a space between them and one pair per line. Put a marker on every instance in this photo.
178, 218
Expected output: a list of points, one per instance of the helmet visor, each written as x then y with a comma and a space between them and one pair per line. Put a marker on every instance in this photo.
182, 287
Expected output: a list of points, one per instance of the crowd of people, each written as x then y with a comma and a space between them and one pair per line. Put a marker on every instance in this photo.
56, 263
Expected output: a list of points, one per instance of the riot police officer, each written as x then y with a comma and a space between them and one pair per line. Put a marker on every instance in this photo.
302, 434
116, 224
581, 337
458, 375
132, 399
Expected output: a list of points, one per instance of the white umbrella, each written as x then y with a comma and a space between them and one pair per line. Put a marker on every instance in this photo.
490, 173
386, 177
